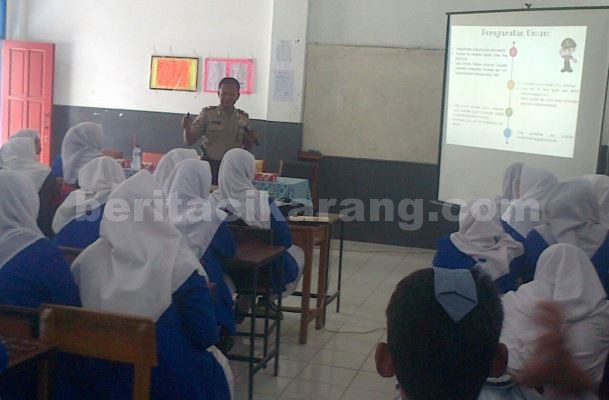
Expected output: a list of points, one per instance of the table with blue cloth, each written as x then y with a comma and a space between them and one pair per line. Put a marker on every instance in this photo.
295, 189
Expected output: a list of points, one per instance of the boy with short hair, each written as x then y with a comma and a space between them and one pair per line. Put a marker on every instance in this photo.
443, 330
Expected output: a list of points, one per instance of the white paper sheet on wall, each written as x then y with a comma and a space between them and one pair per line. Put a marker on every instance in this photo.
284, 55
283, 85
217, 70
283, 71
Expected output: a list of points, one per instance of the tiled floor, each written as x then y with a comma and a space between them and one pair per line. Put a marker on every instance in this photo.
338, 361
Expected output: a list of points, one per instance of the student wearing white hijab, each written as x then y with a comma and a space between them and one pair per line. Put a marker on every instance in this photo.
29, 133
482, 243
601, 186
511, 183
19, 154
565, 276
526, 212
77, 220
204, 227
32, 269
168, 163
142, 265
572, 216
237, 195
81, 144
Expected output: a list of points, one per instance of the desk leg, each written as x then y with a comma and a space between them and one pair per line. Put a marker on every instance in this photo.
340, 262
306, 292
322, 291
250, 388
278, 320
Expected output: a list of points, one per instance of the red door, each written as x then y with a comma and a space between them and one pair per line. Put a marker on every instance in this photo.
27, 90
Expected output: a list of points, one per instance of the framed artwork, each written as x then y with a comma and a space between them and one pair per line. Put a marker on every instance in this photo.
174, 73
241, 69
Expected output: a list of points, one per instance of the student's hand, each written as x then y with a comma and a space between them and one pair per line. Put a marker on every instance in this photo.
552, 363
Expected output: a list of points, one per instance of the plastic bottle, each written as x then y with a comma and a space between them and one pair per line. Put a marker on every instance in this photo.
136, 158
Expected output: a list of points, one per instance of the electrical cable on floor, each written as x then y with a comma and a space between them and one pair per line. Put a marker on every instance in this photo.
357, 332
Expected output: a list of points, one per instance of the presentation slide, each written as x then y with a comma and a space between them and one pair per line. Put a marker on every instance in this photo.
515, 88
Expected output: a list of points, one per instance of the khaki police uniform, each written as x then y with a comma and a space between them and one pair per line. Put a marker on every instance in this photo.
220, 131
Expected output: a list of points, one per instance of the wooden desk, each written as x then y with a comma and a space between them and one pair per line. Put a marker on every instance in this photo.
23, 352
308, 234
252, 257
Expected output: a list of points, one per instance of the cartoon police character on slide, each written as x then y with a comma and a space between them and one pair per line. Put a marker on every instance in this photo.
566, 52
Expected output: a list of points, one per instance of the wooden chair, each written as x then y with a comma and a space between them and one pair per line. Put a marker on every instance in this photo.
19, 322
114, 153
19, 330
302, 170
108, 336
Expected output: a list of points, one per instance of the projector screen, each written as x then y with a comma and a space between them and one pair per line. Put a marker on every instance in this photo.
521, 86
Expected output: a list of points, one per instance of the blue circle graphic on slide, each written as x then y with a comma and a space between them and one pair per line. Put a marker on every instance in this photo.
507, 133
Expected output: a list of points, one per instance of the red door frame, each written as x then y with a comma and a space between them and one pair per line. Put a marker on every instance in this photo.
27, 90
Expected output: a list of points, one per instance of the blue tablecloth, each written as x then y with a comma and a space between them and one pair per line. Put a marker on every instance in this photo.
294, 189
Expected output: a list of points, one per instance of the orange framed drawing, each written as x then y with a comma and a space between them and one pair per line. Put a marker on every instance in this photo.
174, 73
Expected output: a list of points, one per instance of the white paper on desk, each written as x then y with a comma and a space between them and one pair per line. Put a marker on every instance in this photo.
283, 85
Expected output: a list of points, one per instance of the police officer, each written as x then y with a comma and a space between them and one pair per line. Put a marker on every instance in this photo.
222, 127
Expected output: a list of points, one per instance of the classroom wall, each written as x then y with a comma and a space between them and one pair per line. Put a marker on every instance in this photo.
102, 66
103, 51
356, 25
404, 24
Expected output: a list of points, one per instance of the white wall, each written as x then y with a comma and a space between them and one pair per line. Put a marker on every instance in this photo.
289, 25
402, 23
103, 51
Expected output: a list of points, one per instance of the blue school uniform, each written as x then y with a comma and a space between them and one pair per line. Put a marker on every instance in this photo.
536, 244
449, 256
282, 237
221, 247
57, 167
38, 274
186, 370
512, 232
81, 232
3, 358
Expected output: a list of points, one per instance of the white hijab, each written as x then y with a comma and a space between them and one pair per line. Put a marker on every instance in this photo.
566, 276
26, 133
511, 183
168, 163
236, 192
482, 238
19, 154
526, 212
601, 186
138, 262
188, 197
81, 144
18, 213
96, 179
572, 216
